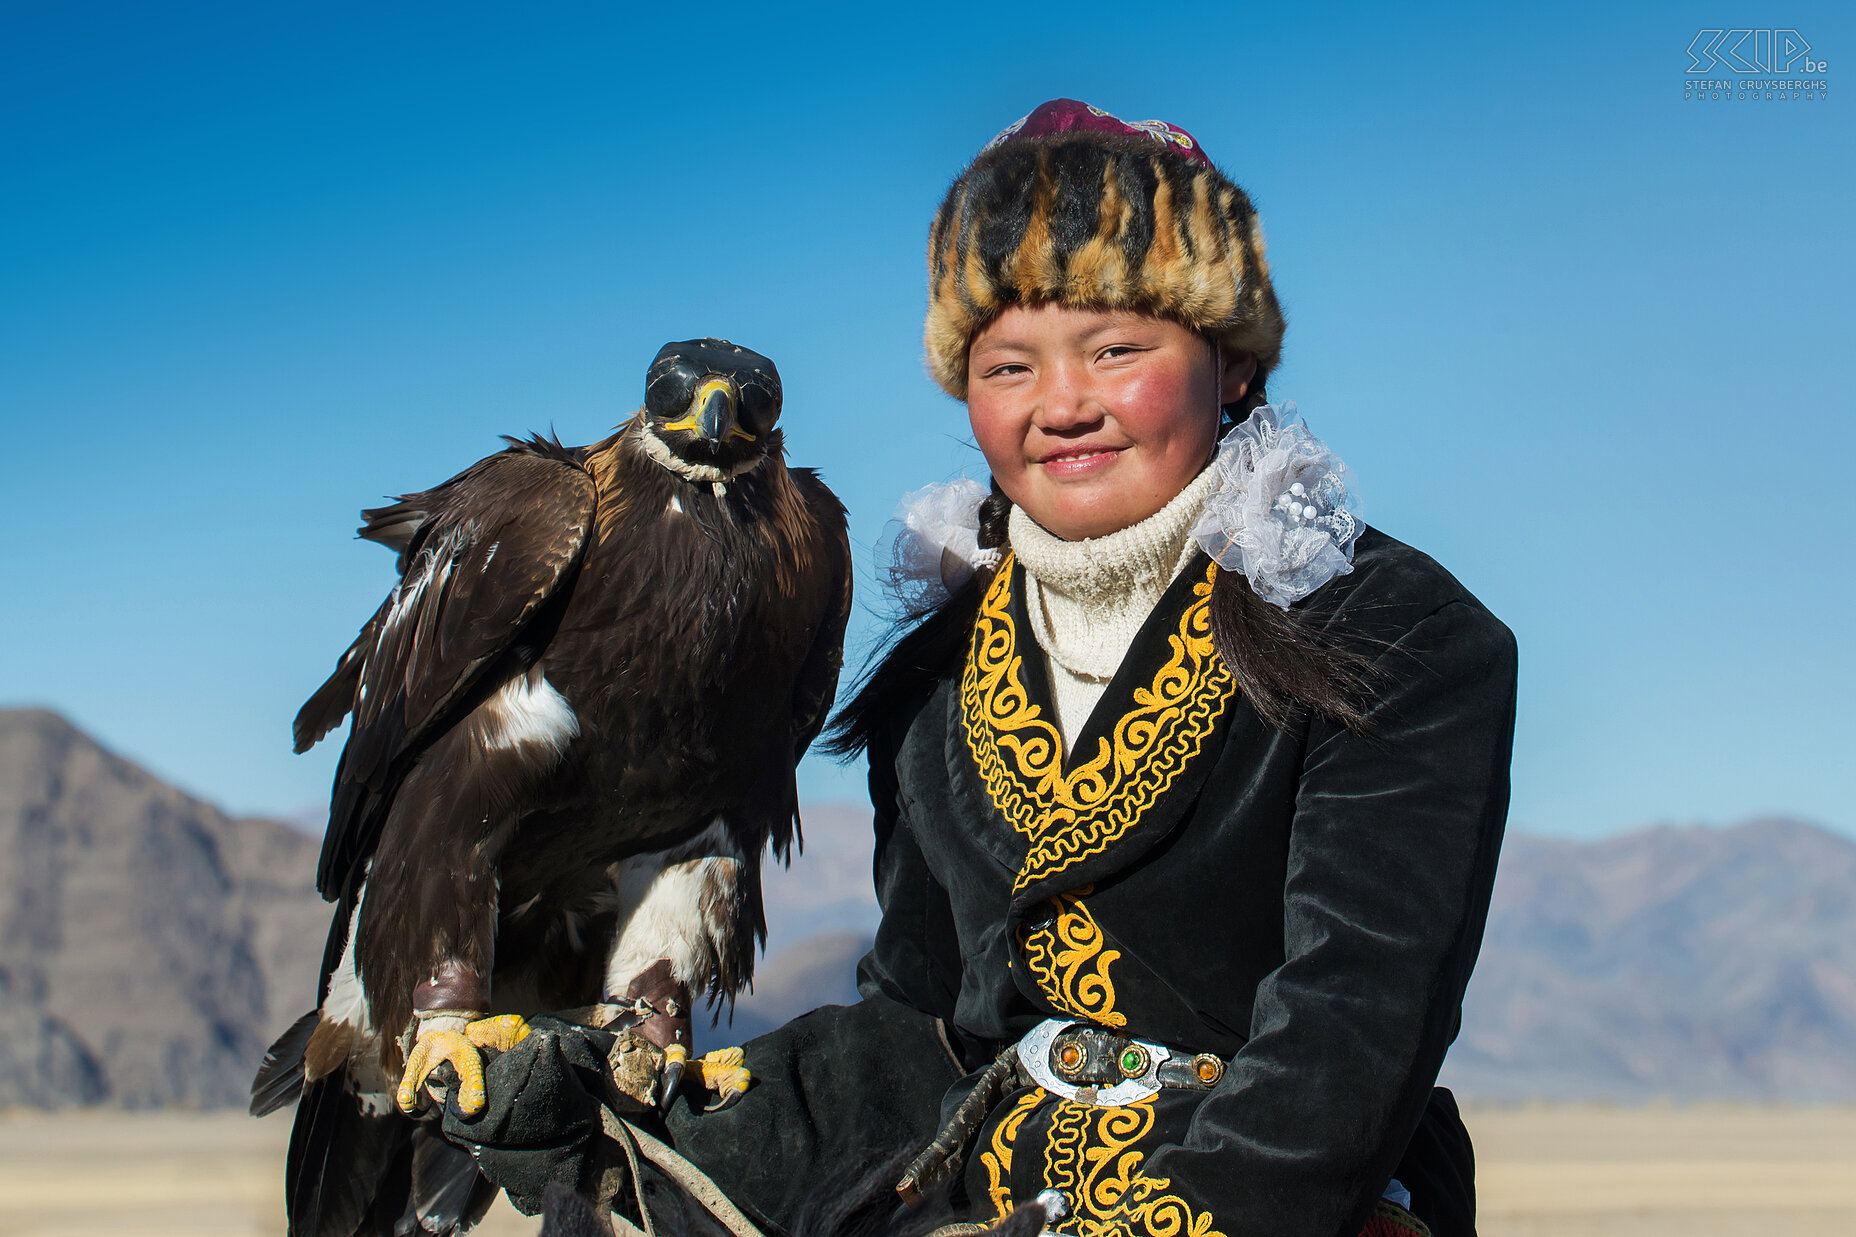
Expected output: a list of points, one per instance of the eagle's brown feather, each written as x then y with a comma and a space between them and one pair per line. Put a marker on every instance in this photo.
496, 541
697, 639
575, 723
818, 680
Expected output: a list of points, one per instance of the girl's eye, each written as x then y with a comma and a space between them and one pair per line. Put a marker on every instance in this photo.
1118, 350
1009, 367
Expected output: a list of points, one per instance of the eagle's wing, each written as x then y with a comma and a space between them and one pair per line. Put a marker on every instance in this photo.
480, 557
818, 677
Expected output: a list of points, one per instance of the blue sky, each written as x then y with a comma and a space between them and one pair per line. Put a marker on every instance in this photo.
1585, 342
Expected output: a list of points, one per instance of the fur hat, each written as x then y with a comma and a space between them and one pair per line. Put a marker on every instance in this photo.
1076, 206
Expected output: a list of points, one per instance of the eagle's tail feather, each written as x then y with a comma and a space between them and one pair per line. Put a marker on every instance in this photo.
448, 1195
482, 1194
397, 523
280, 1078
339, 1157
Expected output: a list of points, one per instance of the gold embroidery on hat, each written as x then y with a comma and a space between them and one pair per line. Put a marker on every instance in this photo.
1069, 959
1068, 816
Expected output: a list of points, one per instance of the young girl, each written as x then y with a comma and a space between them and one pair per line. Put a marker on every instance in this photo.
1188, 798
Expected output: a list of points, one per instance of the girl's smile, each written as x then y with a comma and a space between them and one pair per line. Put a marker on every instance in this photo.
1079, 461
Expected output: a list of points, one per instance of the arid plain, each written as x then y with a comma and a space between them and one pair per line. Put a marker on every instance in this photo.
1545, 1171
1668, 961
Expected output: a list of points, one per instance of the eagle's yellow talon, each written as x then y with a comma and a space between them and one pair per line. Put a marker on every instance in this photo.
498, 1034
676, 1057
434, 1049
724, 1073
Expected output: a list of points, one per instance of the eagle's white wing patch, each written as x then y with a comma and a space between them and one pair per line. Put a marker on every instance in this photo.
528, 713
347, 1003
681, 904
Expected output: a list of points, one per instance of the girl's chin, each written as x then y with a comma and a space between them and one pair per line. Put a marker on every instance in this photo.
1074, 518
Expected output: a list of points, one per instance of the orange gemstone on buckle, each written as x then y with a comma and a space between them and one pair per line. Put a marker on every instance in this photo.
1209, 1068
1070, 1058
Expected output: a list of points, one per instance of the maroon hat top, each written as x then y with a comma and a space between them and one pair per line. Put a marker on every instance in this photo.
1061, 116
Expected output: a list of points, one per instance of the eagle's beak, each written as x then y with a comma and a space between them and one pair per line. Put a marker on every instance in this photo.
715, 413
712, 415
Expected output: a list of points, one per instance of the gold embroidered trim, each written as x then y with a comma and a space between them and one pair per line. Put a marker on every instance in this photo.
1069, 959
997, 1158
1069, 816
1093, 1157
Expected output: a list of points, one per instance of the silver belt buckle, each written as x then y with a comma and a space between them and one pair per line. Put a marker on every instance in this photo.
1034, 1056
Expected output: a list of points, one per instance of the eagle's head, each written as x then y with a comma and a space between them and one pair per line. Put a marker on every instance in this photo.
712, 404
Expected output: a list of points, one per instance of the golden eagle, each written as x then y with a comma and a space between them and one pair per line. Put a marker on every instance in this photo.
575, 725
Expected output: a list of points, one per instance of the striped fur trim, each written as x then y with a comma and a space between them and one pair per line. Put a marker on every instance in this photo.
1097, 221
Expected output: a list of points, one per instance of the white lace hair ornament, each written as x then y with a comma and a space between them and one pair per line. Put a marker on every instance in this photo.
1284, 516
932, 544
1284, 513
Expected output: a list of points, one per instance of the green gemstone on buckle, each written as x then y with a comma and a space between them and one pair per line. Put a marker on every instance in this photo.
1133, 1062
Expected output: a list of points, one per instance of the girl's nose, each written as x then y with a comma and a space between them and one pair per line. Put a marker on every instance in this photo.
1066, 401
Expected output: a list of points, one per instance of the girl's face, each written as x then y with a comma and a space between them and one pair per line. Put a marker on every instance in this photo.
1092, 420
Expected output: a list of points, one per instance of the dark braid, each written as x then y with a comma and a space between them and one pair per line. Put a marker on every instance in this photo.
1283, 661
1285, 664
995, 519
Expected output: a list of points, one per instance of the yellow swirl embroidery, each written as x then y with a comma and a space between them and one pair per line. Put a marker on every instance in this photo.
1063, 1150
997, 1158
1069, 960
1069, 816
1093, 1157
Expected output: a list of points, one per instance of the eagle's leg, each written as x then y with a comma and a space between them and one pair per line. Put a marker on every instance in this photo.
668, 1023
442, 1041
682, 929
447, 1037
452, 1031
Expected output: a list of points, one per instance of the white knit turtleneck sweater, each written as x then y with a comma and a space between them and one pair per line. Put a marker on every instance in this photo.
1088, 598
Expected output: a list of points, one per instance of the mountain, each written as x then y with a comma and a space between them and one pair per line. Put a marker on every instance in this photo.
818, 970
821, 918
1675, 961
150, 945
1681, 962
1687, 962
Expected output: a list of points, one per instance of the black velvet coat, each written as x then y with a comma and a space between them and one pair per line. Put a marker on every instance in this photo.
1306, 905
